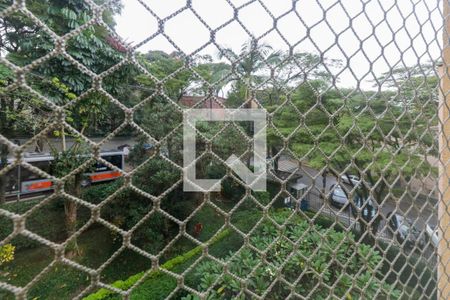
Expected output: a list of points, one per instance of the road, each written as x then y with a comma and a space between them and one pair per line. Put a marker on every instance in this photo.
419, 210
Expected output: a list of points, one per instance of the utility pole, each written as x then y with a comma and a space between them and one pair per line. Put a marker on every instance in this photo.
444, 164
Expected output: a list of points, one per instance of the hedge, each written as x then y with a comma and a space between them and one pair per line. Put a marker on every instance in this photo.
168, 265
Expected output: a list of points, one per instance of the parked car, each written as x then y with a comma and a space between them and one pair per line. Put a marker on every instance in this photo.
350, 179
147, 146
369, 207
404, 231
150, 147
338, 198
433, 235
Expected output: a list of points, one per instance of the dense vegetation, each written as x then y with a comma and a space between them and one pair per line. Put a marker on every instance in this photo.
331, 129
311, 259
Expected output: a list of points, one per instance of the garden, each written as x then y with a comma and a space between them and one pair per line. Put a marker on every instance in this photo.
286, 253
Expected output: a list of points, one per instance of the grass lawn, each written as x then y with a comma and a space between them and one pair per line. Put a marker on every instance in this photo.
96, 246
62, 281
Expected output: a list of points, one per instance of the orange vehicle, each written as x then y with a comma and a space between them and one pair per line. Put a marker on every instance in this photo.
22, 183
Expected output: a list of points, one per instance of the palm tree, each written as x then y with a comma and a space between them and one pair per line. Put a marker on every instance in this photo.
253, 58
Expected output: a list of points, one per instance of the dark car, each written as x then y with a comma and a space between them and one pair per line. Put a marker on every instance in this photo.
404, 231
368, 207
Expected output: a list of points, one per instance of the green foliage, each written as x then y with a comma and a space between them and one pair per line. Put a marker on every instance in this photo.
66, 281
6, 253
97, 193
409, 271
373, 135
213, 73
232, 190
125, 210
163, 176
57, 78
42, 221
21, 118
66, 161
340, 143
155, 275
321, 256
262, 197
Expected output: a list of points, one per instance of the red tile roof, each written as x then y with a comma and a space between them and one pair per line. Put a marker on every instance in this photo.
207, 102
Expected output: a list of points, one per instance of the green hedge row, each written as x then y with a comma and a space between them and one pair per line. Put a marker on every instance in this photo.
103, 294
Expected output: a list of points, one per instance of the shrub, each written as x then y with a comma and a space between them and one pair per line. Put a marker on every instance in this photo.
155, 275
6, 253
321, 258
262, 197
232, 190
99, 192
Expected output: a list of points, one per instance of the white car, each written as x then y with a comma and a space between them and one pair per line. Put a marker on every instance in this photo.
338, 197
433, 235
350, 179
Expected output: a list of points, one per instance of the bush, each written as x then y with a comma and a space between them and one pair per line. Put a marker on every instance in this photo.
6, 253
158, 288
231, 190
99, 192
156, 276
322, 258
262, 197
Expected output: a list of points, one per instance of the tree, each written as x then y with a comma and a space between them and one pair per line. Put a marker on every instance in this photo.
65, 162
370, 138
251, 62
57, 79
23, 42
5, 122
213, 76
415, 89
161, 65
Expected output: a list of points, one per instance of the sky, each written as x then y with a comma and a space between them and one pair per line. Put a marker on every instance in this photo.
368, 36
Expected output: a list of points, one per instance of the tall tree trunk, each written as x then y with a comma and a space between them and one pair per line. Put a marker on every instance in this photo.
71, 215
63, 137
3, 179
3, 150
39, 145
70, 209
324, 186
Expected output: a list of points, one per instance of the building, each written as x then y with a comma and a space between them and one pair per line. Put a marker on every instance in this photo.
213, 102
